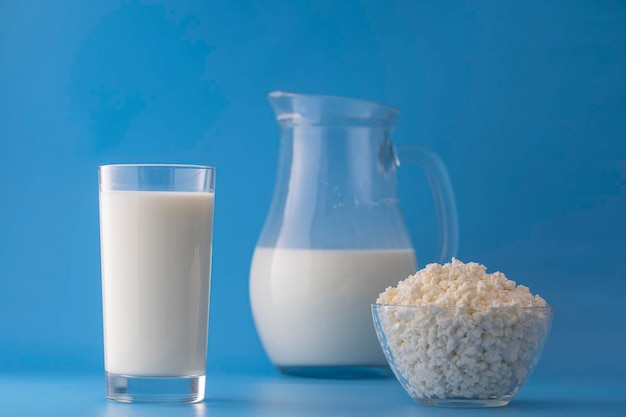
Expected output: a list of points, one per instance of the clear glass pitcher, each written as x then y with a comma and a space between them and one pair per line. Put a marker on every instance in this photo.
335, 236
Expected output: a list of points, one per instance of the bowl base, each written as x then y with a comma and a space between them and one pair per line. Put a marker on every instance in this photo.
464, 403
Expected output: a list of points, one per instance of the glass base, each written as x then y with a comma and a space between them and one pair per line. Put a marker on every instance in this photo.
337, 372
130, 389
464, 403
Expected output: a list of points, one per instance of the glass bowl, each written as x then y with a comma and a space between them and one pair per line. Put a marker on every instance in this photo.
462, 356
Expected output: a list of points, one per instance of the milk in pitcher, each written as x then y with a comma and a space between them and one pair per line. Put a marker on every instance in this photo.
312, 306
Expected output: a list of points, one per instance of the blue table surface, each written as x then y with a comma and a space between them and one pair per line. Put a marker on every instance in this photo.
243, 394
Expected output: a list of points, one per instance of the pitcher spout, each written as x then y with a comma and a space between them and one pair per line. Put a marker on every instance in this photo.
314, 108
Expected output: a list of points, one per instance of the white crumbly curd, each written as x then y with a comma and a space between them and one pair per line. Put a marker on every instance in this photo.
460, 342
457, 284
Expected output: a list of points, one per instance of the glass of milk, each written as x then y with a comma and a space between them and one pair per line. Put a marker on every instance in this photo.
156, 227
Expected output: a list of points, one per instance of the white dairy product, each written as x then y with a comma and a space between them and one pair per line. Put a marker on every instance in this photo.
454, 331
156, 263
457, 284
311, 306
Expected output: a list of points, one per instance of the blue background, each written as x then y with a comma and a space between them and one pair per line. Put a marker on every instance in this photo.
525, 101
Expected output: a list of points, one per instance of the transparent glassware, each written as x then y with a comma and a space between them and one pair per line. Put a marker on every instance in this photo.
460, 356
335, 236
156, 228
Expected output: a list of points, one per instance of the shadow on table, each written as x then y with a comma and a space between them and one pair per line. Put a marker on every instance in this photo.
599, 407
285, 407
112, 409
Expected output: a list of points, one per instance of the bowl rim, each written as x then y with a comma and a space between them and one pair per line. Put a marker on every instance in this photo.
376, 306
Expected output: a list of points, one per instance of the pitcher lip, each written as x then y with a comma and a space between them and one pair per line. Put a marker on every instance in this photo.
280, 93
377, 110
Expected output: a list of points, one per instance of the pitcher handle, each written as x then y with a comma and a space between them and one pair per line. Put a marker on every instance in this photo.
443, 196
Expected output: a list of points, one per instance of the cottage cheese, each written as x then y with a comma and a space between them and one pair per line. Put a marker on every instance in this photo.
448, 336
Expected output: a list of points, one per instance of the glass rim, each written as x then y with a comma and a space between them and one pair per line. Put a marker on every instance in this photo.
157, 177
377, 306
185, 166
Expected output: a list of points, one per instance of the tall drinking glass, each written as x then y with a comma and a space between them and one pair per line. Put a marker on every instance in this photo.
156, 227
